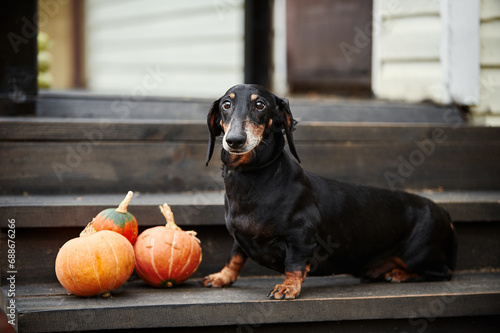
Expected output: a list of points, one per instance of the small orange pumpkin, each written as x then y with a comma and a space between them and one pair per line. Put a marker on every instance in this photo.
97, 262
119, 220
167, 255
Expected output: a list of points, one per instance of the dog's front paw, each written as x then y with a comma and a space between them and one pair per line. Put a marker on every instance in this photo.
224, 278
285, 291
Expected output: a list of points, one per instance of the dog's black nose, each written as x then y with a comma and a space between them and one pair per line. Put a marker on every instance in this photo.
236, 141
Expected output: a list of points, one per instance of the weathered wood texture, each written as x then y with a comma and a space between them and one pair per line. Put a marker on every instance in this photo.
36, 248
484, 324
83, 156
119, 107
195, 208
47, 308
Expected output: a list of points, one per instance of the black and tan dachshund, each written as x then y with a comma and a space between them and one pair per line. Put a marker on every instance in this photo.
299, 223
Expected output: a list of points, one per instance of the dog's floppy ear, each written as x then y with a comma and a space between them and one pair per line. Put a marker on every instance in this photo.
283, 109
214, 127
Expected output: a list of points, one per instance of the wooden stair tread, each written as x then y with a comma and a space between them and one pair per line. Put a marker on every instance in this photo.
48, 307
67, 210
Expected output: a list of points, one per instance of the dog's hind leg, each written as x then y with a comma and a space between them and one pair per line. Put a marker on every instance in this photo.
393, 270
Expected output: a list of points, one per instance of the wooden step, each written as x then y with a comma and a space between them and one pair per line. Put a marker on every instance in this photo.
45, 223
199, 208
245, 307
73, 104
81, 156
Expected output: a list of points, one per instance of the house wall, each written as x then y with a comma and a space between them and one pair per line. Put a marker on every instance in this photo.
489, 89
415, 55
164, 47
406, 50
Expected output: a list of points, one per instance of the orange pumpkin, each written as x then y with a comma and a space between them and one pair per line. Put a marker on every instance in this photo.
97, 262
119, 220
166, 255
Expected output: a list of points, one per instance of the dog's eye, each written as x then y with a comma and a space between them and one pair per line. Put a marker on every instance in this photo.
226, 105
260, 105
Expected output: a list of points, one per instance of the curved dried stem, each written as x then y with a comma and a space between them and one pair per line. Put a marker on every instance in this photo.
122, 208
169, 216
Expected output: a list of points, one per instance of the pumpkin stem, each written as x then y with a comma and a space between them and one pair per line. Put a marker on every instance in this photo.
169, 216
122, 208
89, 229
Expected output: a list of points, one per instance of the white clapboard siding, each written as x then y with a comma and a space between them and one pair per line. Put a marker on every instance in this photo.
431, 49
195, 45
411, 81
396, 45
489, 88
407, 8
406, 50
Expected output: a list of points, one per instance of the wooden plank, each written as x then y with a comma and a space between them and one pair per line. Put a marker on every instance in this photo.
406, 166
37, 248
53, 129
422, 46
201, 208
107, 167
115, 167
245, 304
490, 10
424, 85
352, 110
118, 107
390, 10
45, 223
490, 101
170, 41
400, 134
490, 45
85, 105
195, 209
95, 131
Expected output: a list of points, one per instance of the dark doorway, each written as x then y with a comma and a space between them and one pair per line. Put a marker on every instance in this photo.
329, 46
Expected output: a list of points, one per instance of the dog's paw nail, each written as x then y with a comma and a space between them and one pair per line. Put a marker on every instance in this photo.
283, 296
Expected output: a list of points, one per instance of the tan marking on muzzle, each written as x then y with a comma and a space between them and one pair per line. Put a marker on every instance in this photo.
254, 136
225, 126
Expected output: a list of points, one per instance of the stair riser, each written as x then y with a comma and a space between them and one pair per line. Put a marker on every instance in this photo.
36, 250
114, 167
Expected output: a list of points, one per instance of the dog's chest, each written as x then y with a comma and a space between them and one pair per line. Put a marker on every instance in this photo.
248, 224
260, 241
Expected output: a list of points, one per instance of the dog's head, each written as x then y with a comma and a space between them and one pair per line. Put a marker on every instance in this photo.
245, 114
